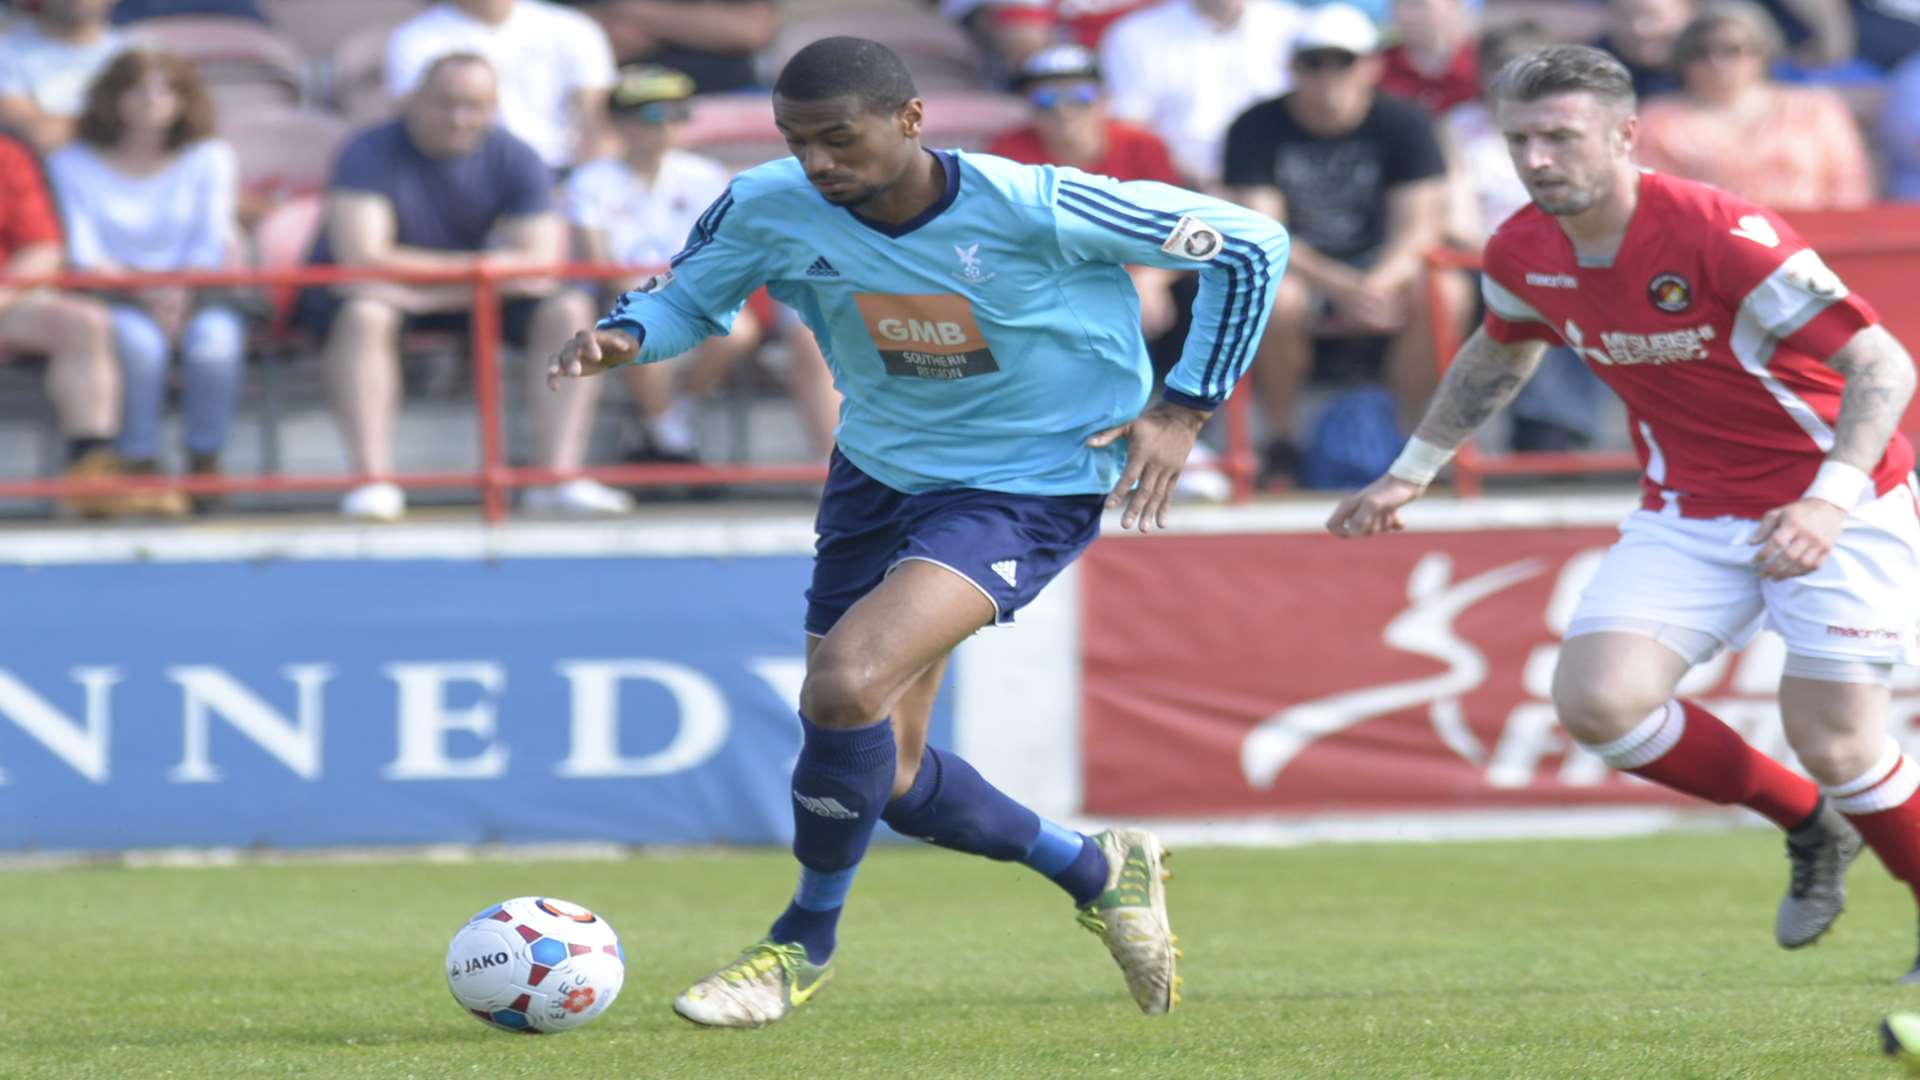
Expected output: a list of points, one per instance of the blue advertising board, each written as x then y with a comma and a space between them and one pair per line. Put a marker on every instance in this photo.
303, 702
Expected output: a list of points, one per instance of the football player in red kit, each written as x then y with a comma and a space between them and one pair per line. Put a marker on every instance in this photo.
1764, 400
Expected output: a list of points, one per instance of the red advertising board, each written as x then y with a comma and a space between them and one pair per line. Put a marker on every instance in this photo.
1228, 675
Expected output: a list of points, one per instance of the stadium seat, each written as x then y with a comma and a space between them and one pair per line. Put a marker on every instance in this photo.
319, 27
356, 76
283, 151
282, 240
233, 55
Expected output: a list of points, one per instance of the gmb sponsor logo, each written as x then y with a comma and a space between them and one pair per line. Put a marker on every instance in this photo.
929, 331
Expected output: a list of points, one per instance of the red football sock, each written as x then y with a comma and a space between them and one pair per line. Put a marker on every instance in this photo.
1884, 806
1687, 748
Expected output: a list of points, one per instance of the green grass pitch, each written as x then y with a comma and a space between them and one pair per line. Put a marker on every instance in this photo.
1627, 958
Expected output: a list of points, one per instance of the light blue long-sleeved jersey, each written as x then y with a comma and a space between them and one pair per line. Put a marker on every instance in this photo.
981, 343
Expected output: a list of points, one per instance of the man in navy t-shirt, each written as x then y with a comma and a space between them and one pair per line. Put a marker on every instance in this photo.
442, 187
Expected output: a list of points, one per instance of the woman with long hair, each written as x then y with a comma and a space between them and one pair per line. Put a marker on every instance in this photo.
1732, 126
143, 187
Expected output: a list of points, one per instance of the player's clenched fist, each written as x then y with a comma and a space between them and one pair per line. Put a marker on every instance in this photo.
1374, 508
590, 352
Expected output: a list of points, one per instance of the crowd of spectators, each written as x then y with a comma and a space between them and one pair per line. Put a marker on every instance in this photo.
532, 132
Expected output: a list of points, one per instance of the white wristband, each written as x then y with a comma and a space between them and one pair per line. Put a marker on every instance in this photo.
1838, 483
1419, 462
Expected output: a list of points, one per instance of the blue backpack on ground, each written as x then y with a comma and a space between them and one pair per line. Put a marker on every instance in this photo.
1354, 438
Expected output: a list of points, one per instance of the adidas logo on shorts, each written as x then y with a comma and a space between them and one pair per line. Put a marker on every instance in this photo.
822, 268
1006, 568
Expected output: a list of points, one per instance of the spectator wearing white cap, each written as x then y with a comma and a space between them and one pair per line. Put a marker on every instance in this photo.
1185, 68
1359, 180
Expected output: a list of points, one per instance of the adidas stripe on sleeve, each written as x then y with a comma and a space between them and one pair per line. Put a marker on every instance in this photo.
1240, 256
702, 290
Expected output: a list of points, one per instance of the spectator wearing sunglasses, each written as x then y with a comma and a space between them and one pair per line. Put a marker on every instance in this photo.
1787, 147
1071, 127
1358, 178
637, 209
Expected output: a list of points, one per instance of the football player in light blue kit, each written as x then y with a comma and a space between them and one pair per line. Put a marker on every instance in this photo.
981, 326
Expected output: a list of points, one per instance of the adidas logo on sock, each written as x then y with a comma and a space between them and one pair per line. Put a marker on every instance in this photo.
1006, 568
822, 268
825, 806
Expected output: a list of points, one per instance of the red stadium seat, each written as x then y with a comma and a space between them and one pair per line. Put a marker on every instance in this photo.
284, 151
282, 240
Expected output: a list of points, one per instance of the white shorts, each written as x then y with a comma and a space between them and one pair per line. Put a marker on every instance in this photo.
1862, 603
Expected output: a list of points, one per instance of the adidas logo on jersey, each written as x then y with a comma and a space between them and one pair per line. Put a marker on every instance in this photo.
822, 268
825, 806
1007, 568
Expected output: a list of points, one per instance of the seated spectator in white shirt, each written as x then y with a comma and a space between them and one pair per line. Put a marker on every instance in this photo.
145, 186
637, 209
46, 64
1184, 69
554, 65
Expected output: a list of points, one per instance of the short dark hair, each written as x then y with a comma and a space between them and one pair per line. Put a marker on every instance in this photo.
848, 67
99, 124
1565, 69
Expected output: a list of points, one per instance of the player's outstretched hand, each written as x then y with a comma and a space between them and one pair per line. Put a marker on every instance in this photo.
1158, 442
1374, 508
1796, 538
590, 352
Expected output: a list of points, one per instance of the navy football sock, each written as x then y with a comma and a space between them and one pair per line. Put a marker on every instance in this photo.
952, 805
840, 786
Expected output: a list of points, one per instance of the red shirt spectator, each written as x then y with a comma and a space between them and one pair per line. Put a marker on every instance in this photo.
1133, 153
27, 217
1456, 84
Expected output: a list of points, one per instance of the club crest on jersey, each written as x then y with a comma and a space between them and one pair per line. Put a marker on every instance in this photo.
1670, 293
970, 268
1193, 239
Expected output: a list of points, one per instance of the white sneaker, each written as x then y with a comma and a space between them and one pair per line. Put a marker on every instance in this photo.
769, 981
579, 497
379, 501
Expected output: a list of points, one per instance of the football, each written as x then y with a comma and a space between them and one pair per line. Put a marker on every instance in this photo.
535, 965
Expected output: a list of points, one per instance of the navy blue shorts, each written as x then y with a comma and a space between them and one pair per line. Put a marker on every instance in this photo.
1009, 546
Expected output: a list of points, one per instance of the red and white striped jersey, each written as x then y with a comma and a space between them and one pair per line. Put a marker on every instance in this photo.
1713, 323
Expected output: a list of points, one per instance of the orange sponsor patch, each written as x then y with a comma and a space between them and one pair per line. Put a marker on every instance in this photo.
926, 337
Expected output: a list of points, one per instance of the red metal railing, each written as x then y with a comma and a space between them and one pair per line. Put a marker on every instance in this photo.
493, 478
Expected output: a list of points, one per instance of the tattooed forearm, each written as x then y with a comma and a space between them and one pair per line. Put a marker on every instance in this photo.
1483, 377
1880, 381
